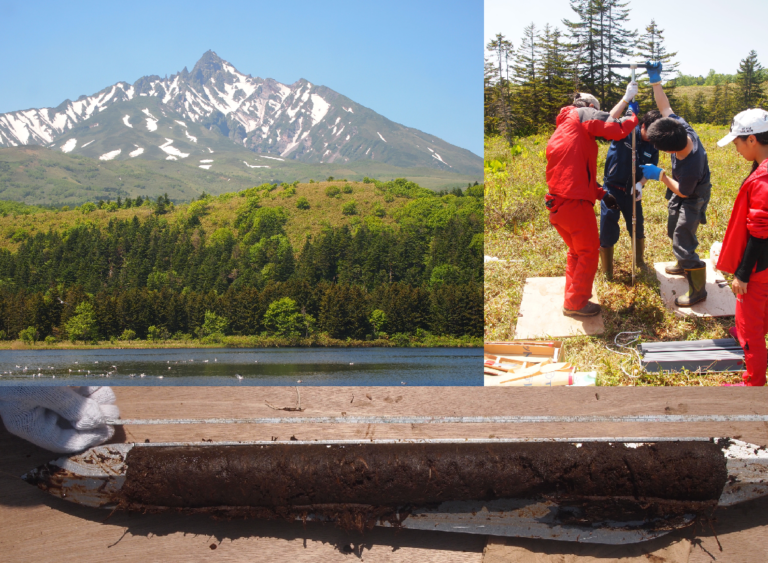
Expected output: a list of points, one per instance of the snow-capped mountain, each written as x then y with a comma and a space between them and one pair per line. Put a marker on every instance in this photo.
214, 107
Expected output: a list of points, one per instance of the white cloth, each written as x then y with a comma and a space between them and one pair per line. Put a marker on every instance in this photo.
638, 191
59, 419
631, 91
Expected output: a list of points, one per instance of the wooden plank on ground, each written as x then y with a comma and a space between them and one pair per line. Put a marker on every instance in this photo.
720, 302
541, 312
669, 549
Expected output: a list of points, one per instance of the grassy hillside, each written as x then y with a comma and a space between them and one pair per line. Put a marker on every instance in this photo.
690, 92
40, 176
323, 210
517, 229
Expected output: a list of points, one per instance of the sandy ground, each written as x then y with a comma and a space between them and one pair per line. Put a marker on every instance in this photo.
35, 526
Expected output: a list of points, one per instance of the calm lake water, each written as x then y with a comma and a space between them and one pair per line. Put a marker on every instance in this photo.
245, 366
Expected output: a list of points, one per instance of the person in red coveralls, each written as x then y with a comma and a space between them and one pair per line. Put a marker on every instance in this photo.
745, 245
573, 189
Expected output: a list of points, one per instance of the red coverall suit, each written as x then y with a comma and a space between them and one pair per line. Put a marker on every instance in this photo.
573, 190
750, 218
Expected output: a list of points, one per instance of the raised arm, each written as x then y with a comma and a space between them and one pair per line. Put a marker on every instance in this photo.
618, 109
602, 124
662, 102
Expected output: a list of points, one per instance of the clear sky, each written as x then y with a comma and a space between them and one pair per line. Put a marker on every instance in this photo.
707, 34
416, 62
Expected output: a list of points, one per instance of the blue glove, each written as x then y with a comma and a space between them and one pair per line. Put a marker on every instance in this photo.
634, 107
654, 72
650, 171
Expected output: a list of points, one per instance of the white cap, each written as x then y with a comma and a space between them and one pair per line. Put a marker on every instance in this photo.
589, 98
748, 122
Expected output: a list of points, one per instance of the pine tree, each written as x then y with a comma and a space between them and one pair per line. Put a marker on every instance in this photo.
749, 92
502, 50
650, 47
617, 46
699, 108
583, 44
556, 74
599, 39
525, 102
720, 105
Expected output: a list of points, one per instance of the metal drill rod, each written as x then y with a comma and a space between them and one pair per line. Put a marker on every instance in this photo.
634, 195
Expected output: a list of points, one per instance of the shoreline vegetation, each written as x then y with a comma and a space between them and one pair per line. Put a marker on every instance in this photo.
320, 341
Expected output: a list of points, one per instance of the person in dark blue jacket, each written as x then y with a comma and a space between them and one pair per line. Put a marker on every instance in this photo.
617, 181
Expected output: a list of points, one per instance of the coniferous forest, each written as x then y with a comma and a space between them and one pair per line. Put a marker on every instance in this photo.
527, 83
410, 268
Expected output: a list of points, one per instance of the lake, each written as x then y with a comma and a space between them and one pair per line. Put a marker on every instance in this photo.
244, 366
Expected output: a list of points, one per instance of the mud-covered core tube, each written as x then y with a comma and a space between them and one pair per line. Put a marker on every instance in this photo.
688, 474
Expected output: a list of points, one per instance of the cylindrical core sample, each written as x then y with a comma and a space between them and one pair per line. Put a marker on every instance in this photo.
420, 474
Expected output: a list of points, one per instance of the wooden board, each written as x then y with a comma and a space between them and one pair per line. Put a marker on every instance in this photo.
541, 312
720, 302
37, 527
669, 549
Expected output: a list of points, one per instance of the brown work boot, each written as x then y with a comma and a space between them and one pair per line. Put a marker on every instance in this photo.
676, 270
606, 262
588, 310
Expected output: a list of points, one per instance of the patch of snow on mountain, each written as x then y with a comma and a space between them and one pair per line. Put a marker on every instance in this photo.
369, 148
136, 153
319, 109
151, 124
206, 166
347, 139
251, 166
190, 137
292, 112
180, 123
382, 138
17, 127
110, 155
272, 157
169, 149
171, 90
437, 156
347, 109
171, 157
209, 150
430, 150
340, 130
146, 112
69, 145
205, 161
142, 94
60, 121
86, 144
125, 121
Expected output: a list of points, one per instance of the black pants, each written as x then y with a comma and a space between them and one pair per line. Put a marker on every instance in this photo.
684, 219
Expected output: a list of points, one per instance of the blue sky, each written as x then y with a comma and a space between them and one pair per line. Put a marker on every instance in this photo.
707, 34
417, 62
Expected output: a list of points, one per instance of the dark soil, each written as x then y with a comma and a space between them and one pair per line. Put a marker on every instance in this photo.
355, 485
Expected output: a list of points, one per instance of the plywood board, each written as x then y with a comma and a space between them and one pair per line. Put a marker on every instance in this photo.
668, 549
720, 302
541, 312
